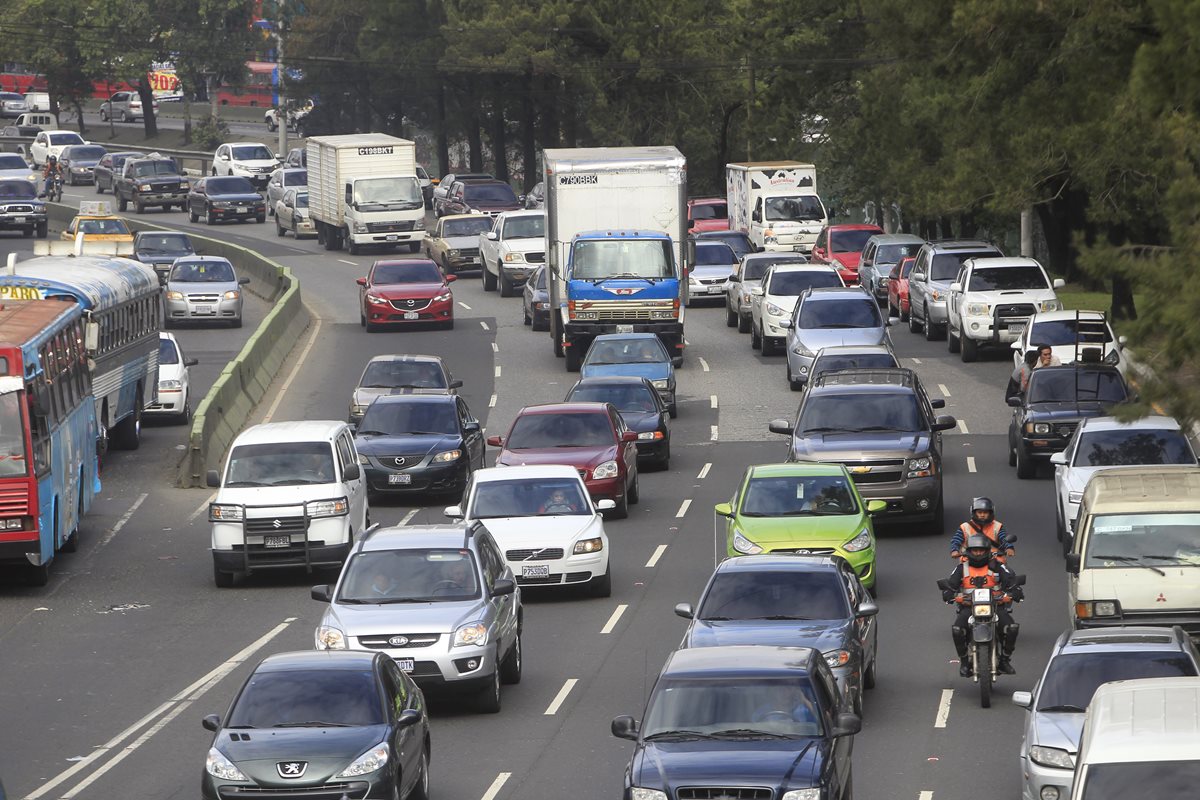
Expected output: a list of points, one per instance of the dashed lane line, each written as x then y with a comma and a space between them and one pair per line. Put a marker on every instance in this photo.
484, 325
495, 347
658, 553
971, 464
351, 263
945, 392
614, 619
703, 364
108, 537
560, 698
704, 472
916, 361
962, 426
925, 795
943, 710
408, 517
496, 786
492, 401
202, 507
497, 370
713, 436
683, 508
464, 305
712, 400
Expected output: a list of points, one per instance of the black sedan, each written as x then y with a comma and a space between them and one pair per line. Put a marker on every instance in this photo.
223, 199
109, 167
321, 724
641, 407
79, 162
535, 301
159, 249
419, 444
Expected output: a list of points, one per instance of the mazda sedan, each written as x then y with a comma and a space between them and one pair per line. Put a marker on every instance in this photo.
404, 292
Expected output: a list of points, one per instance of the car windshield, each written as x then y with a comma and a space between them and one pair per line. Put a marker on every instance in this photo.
466, 227
310, 698
892, 253
792, 283
1071, 385
13, 161
12, 436
605, 258
1007, 279
626, 351
736, 595
798, 495
1122, 780
860, 412
281, 464
202, 272
168, 353
1127, 447
154, 168
103, 226
525, 227
1064, 332
406, 272
410, 415
230, 185
850, 312
403, 374
714, 253
737, 240
851, 241
86, 153
904, 268
545, 431
773, 707
252, 153
17, 190
946, 265
489, 193
710, 211
753, 269
295, 177
1160, 540
419, 575
629, 398
854, 361
65, 138
167, 243
529, 497
1073, 678
795, 208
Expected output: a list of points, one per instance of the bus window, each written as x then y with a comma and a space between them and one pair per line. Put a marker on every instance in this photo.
12, 436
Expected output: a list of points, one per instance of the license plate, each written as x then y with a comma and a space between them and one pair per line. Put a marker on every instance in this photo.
18, 219
411, 315
204, 309
391, 237
400, 478
406, 664
716, 289
798, 248
277, 541
1016, 327
624, 329
536, 571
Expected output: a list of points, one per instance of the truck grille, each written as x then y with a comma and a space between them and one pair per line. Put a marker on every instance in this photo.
546, 553
411, 305
468, 252
1015, 310
164, 187
881, 471
274, 526
1065, 429
25, 209
722, 793
380, 641
390, 227
535, 258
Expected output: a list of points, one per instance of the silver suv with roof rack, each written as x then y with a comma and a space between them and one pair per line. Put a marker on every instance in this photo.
937, 265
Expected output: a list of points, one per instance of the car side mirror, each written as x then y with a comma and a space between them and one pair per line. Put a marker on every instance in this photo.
322, 592
780, 426
1015, 401
625, 727
867, 608
723, 509
351, 472
408, 717
453, 512
956, 287
916, 276
847, 725
451, 278
1022, 699
691, 224
495, 441
937, 403
213, 479
278, 157
456, 383
224, 156
503, 586
685, 610
243, 281
491, 236
786, 324
876, 506
1073, 563
211, 723
1059, 459
606, 505
191, 362
361, 281
734, 279
1058, 283
944, 422
472, 427
629, 436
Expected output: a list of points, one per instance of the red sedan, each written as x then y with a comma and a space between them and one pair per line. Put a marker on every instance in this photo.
591, 437
842, 246
708, 214
898, 288
405, 292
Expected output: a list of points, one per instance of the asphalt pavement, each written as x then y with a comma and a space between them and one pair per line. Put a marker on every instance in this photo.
110, 669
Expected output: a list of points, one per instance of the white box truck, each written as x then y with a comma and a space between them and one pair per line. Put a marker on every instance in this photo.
776, 204
363, 190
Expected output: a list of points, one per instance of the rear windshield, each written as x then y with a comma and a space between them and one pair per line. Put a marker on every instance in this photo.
86, 153
403, 375
13, 161
762, 595
1072, 679
65, 138
280, 464
316, 698
710, 211
1126, 447
753, 269
946, 265
892, 253
466, 227
860, 361
792, 284
543, 431
297, 177
1007, 279
859, 413
714, 253
1120, 781
164, 243
489, 193
850, 241
1062, 332
1069, 385
230, 185
633, 398
409, 417
406, 273
851, 312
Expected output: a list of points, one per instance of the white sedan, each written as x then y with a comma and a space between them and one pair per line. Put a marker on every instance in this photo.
1069, 333
173, 397
1105, 443
551, 532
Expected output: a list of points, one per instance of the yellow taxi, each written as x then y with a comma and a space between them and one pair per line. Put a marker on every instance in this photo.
97, 223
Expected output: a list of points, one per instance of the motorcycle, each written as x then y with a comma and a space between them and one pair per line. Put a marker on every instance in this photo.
983, 646
54, 195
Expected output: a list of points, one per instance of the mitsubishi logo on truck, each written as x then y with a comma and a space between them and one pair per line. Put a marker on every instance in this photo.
623, 290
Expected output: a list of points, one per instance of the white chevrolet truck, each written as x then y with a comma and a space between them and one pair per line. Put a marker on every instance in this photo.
992, 300
512, 250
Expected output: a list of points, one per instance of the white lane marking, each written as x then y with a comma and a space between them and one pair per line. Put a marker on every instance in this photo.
495, 347
484, 325
944, 390
464, 305
916, 361
683, 507
943, 711
970, 463
712, 400
312, 339
492, 401
962, 426
658, 553
497, 370
496, 786
925, 795
703, 364
108, 537
351, 263
408, 517
560, 698
614, 619
713, 436
704, 472
186, 697
202, 508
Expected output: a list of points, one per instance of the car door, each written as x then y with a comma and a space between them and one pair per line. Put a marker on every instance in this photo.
916, 282
274, 189
38, 149
408, 741
865, 627
472, 434
221, 162
356, 490
831, 701
504, 606
954, 300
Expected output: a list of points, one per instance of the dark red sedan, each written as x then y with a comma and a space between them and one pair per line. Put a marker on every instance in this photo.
591, 437
842, 245
898, 289
405, 292
708, 214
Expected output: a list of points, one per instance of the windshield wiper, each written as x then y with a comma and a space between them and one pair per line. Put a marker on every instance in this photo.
746, 732
1063, 707
391, 601
715, 619
316, 723
673, 734
372, 433
1129, 560
782, 616
880, 428
1175, 559
821, 429
232, 484
422, 433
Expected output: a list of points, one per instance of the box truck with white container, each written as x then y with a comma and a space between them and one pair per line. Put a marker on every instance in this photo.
776, 204
363, 190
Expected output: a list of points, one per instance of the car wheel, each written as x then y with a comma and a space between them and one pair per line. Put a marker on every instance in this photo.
103, 115
260, 219
525, 318
793, 384
510, 669
506, 287
209, 219
635, 493
622, 508
953, 343
124, 116
139, 208
731, 316
488, 699
602, 586
223, 580
574, 358
743, 324
932, 330
756, 342
914, 326
192, 215
122, 204
665, 462
352, 248
673, 410
489, 280
421, 788
43, 228
1026, 466
769, 347
1059, 527
970, 350
279, 231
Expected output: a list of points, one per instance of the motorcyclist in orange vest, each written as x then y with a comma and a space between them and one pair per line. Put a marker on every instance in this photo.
983, 521
982, 571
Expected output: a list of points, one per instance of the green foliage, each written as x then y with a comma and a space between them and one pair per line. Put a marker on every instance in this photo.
208, 135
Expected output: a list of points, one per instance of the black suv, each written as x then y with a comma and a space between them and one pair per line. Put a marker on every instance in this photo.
720, 719
881, 425
21, 209
154, 180
1046, 415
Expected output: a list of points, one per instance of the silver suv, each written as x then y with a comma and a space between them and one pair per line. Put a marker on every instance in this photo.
936, 267
439, 599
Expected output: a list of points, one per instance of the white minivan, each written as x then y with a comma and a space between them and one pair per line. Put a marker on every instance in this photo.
1135, 558
292, 495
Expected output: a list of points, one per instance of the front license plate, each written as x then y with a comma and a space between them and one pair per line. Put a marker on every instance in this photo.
716, 289
1016, 327
204, 309
400, 478
18, 219
411, 315
624, 329
536, 571
277, 541
405, 664
391, 237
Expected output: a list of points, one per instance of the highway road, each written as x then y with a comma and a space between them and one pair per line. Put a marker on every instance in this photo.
109, 670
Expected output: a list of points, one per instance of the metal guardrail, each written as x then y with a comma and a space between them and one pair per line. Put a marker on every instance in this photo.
202, 160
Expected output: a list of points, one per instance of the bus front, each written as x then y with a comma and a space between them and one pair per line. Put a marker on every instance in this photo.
20, 539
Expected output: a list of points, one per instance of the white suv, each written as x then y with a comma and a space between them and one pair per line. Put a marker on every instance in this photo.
781, 287
292, 495
992, 300
250, 160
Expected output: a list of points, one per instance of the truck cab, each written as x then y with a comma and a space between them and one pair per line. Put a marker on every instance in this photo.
776, 204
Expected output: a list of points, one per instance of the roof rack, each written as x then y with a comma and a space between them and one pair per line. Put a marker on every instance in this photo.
895, 376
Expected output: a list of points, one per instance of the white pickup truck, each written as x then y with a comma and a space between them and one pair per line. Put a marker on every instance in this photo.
992, 300
512, 250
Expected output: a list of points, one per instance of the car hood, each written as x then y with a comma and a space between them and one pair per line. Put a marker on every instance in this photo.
491, 205
828, 634
393, 291
941, 286
255, 163
535, 532
577, 457
1057, 729
328, 751
847, 260
16, 173
816, 338
406, 444
807, 531
850, 447
235, 197
1141, 589
536, 244
795, 763
709, 271
654, 370
388, 619
86, 162
278, 500
641, 421
170, 372
461, 242
202, 287
1066, 411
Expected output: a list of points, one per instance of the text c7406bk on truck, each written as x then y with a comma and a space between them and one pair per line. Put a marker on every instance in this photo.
363, 190
616, 234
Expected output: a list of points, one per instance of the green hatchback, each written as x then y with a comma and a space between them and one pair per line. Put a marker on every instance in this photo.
802, 508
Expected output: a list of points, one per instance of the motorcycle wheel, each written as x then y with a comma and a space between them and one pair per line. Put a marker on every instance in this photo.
983, 672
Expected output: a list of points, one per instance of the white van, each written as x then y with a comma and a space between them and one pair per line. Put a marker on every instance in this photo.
38, 101
38, 119
292, 495
1135, 559
1140, 739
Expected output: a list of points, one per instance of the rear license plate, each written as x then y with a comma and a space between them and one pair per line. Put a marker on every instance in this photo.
411, 315
203, 309
624, 329
406, 664
536, 571
401, 478
276, 541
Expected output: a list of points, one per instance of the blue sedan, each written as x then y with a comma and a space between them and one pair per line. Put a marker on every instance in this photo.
634, 355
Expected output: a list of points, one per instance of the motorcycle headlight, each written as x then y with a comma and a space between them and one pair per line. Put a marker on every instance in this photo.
744, 545
170, 385
606, 470
982, 610
837, 658
1051, 757
774, 310
1050, 305
327, 508
224, 513
860, 542
474, 633
514, 257
447, 456
232, 294
588, 546
330, 638
370, 761
221, 767
977, 309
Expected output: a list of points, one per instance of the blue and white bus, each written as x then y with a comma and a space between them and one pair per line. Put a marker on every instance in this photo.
121, 301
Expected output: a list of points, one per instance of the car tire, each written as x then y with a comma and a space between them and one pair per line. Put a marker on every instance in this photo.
352, 248
664, 463
602, 586
929, 328
127, 434
223, 580
506, 287
138, 208
913, 325
260, 219
122, 203
743, 324
103, 115
237, 323
673, 410
769, 348
1026, 466
124, 116
184, 416
510, 668
525, 318
755, 339
420, 790
621, 511
731, 316
448, 325
939, 516
793, 384
209, 219
970, 350
489, 280
953, 343
1060, 531
869, 673
43, 229
279, 230
488, 699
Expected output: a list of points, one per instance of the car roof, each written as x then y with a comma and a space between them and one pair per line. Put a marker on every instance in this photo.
609, 337
1009, 262
746, 660
800, 267
836, 292
525, 472
1056, 316
1150, 719
403, 262
317, 660
790, 562
62, 130
896, 238
893, 377
310, 430
794, 469
196, 257
961, 244
417, 537
697, 200
781, 256
171, 234
564, 408
1074, 366
1127, 638
612, 380
1153, 422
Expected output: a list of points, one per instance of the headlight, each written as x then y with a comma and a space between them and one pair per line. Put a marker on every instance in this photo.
221, 767
1039, 428
173, 295
921, 467
419, 225
663, 384
184, 185
513, 257
744, 545
144, 187
232, 294
982, 610
221, 204
223, 513
474, 633
588, 546
360, 227
650, 436
1075, 497
606, 470
327, 508
376, 299
170, 385
453, 253
363, 460
860, 542
977, 309
443, 297
370, 761
802, 794
837, 658
330, 638
935, 294
799, 349
1113, 357
638, 793
447, 456
1051, 757
1087, 609
774, 310
1049, 305
541, 306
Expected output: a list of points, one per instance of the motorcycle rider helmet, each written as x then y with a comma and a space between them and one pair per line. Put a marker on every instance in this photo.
53, 159
979, 550
984, 506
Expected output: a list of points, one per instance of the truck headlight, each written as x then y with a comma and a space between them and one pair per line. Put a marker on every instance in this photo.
473, 633
360, 227
453, 253
224, 513
514, 257
584, 546
447, 456
327, 508
744, 545
1037, 428
419, 225
143, 187
1050, 305
1088, 609
859, 543
184, 185
663, 384
837, 658
606, 470
921, 467
330, 638
977, 309
1051, 757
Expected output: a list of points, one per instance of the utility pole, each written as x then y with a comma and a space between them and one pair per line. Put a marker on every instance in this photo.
750, 110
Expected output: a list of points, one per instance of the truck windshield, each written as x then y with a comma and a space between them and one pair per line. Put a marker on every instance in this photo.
609, 258
1122, 540
795, 208
12, 436
1151, 778
388, 194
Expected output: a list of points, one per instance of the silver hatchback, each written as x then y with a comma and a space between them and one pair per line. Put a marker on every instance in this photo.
203, 289
830, 318
439, 599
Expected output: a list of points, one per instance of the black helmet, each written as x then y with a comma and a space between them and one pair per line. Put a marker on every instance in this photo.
985, 505
979, 550
53, 159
